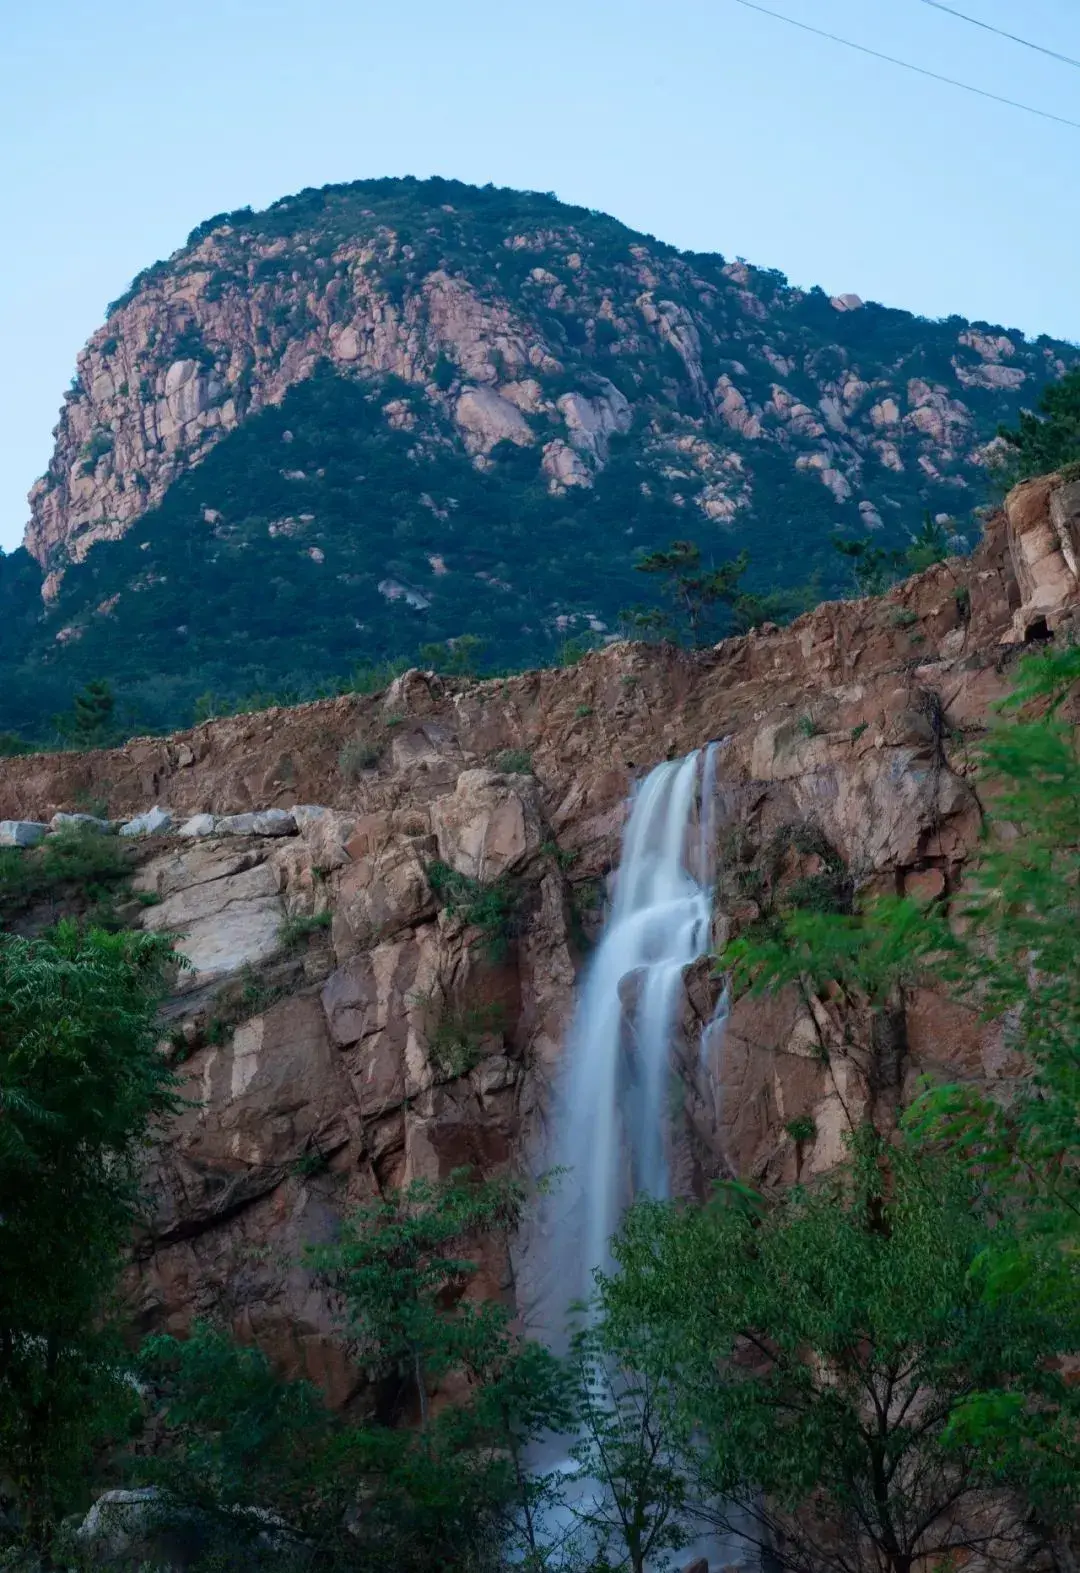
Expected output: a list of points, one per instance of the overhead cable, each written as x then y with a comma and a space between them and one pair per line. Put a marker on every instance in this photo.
936, 76
1000, 31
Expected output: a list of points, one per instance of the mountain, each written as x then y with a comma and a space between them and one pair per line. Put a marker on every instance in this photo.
382, 415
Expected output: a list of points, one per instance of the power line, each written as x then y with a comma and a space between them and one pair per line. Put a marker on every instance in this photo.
981, 92
1000, 31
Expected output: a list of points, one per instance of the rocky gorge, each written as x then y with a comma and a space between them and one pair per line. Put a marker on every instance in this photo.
351, 1017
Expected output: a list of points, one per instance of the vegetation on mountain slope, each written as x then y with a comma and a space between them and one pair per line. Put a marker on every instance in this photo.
383, 416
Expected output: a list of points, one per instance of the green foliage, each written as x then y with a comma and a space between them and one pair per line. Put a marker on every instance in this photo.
297, 929
1017, 963
626, 1445
816, 1358
802, 1129
459, 657
1047, 438
91, 722
458, 1037
807, 726
81, 1085
513, 762
11, 746
874, 568
399, 1267
693, 592
73, 866
491, 908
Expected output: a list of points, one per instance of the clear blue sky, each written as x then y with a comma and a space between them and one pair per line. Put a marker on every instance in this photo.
123, 123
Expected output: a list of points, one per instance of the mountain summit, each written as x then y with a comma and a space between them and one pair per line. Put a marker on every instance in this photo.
386, 414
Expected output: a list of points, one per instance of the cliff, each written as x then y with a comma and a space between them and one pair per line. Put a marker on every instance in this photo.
394, 412
346, 1025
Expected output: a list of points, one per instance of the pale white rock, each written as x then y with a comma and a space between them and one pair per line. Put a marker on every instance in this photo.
120, 1522
486, 418
391, 590
225, 916
734, 410
990, 375
845, 302
21, 832
591, 421
990, 347
104, 827
889, 454
564, 465
837, 483
885, 413
267, 822
306, 814
199, 825
155, 822
346, 346
527, 395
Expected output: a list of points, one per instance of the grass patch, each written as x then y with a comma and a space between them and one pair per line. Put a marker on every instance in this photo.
79, 866
295, 930
491, 908
242, 1000
801, 1129
456, 1038
513, 762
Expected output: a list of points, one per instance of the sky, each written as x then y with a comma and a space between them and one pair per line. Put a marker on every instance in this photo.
703, 122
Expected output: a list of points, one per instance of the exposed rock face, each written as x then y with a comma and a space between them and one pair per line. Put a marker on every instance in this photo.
254, 301
395, 1042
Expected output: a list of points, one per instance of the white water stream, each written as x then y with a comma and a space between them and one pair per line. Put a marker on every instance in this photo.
612, 1119
615, 1095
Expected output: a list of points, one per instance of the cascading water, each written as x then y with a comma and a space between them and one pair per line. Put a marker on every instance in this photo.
612, 1114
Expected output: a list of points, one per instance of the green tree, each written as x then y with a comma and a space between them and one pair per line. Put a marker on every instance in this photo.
818, 1355
693, 591
1048, 437
874, 568
453, 1492
1013, 961
91, 722
81, 1084
633, 1502
399, 1268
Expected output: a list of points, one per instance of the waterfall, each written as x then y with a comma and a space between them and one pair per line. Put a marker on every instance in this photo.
612, 1115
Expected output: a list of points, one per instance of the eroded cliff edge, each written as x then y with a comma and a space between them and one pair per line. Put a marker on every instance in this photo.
324, 1062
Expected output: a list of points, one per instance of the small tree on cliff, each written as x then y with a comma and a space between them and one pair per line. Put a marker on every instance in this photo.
693, 592
81, 1083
